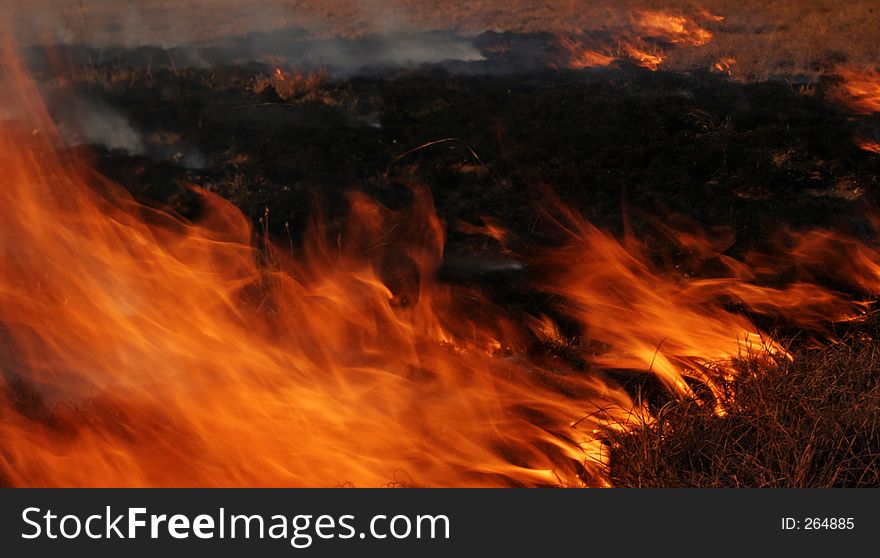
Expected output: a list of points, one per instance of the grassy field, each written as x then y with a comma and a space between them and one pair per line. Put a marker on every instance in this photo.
765, 37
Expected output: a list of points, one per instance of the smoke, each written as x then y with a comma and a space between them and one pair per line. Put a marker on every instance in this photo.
203, 33
93, 122
346, 56
137, 32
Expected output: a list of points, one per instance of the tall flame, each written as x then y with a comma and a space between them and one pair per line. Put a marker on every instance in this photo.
141, 349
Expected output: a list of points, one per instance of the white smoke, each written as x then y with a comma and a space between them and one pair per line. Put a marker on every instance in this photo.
91, 122
198, 31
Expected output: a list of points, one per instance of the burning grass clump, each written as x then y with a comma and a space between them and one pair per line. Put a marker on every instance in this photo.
813, 421
291, 86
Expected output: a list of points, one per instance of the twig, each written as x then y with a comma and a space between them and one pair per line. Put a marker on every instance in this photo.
446, 140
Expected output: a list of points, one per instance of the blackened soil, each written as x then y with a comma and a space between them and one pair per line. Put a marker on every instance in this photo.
610, 142
621, 145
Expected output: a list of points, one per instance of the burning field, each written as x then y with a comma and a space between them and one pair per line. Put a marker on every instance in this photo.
508, 244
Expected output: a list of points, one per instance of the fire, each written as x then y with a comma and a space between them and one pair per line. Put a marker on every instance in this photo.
490, 229
637, 44
643, 57
725, 65
143, 349
291, 85
671, 27
868, 144
581, 56
641, 317
860, 90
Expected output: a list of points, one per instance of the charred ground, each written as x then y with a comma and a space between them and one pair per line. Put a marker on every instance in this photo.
724, 153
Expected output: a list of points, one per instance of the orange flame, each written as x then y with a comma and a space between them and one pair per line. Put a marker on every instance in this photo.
725, 65
642, 57
674, 28
141, 349
641, 317
581, 56
867, 144
631, 44
860, 90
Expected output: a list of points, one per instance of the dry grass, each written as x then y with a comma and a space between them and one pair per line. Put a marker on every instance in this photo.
811, 422
757, 38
